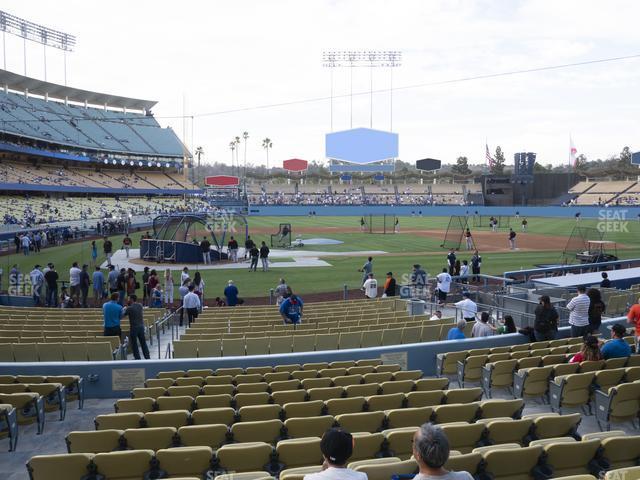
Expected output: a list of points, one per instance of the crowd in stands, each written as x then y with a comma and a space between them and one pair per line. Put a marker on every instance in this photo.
355, 198
605, 193
28, 211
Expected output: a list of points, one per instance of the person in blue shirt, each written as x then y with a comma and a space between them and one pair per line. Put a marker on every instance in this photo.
231, 294
98, 286
112, 312
291, 308
457, 332
617, 347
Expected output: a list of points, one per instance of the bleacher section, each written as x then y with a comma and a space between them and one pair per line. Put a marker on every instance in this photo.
86, 128
606, 193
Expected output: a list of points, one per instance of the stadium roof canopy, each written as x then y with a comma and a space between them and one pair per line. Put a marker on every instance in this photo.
15, 82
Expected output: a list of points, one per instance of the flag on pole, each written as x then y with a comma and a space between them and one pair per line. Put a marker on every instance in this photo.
488, 157
572, 153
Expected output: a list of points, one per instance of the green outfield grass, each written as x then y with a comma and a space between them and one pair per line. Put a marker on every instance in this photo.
406, 248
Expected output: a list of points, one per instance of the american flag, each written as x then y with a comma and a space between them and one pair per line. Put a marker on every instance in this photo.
488, 157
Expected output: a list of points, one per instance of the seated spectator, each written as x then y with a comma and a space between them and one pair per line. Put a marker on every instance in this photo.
509, 326
437, 315
457, 332
590, 351
431, 451
617, 347
336, 447
483, 328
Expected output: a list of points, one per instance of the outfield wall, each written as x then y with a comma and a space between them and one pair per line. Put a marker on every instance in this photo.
116, 378
610, 213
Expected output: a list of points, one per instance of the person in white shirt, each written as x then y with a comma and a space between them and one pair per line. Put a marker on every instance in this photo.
74, 282
579, 313
483, 328
468, 307
444, 286
37, 280
184, 275
437, 315
336, 447
370, 287
464, 271
191, 303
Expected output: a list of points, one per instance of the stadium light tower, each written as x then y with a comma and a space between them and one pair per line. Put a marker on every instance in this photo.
47, 37
362, 58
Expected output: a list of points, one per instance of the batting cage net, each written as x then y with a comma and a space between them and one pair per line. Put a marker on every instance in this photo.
379, 224
454, 236
479, 221
282, 239
579, 242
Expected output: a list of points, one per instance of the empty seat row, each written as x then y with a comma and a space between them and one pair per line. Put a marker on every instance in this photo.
356, 395
57, 352
441, 413
73, 384
233, 371
53, 394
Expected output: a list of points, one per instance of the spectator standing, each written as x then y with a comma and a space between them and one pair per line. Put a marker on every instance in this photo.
182, 291
545, 326
184, 275
596, 309
17, 242
145, 285
156, 297
590, 351
191, 303
74, 283
370, 287
444, 286
37, 281
476, 264
26, 244
121, 286
617, 347
85, 282
231, 294
605, 283
512, 239
451, 261
168, 288
135, 312
579, 313
37, 241
112, 313
431, 451
456, 269
291, 308
264, 256
131, 282
94, 252
233, 250
198, 283
389, 286
280, 291
464, 272
366, 269
468, 307
107, 248
205, 246
254, 253
457, 332
51, 277
112, 279
152, 282
98, 286
126, 244
483, 328
336, 447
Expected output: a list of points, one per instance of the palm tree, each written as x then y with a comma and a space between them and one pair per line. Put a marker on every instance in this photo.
245, 136
237, 140
266, 144
199, 152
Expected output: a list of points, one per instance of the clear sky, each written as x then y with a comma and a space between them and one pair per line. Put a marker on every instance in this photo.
217, 55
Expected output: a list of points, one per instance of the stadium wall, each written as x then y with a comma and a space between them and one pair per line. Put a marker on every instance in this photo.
115, 379
25, 187
619, 213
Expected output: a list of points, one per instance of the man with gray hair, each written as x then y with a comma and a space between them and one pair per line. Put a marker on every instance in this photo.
431, 451
457, 332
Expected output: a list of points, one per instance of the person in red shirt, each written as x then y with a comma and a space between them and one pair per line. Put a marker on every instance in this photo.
633, 317
590, 351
